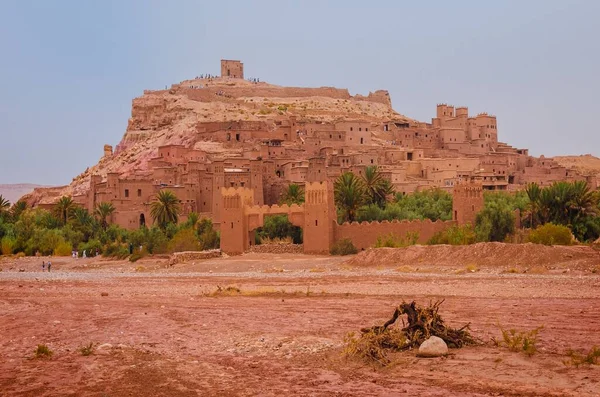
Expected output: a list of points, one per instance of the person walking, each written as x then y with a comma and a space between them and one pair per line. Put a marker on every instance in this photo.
43, 265
49, 264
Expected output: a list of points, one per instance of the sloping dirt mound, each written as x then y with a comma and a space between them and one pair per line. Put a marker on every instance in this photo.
481, 254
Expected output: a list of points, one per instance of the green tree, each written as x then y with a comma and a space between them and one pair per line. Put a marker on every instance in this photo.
495, 222
294, 194
63, 209
4, 207
377, 188
17, 209
350, 195
103, 211
165, 209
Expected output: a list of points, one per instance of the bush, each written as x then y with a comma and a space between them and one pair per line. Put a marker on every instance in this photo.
394, 241
551, 234
8, 244
343, 247
519, 341
116, 250
495, 222
43, 351
209, 238
90, 248
137, 255
63, 249
184, 240
454, 235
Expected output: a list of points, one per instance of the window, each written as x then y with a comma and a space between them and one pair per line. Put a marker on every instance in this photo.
360, 128
139, 192
366, 129
316, 222
361, 141
237, 137
242, 184
351, 129
126, 192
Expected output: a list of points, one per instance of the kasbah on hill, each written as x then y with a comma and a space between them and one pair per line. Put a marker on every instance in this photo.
228, 146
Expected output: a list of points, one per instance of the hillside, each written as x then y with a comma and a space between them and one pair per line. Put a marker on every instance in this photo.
171, 116
586, 164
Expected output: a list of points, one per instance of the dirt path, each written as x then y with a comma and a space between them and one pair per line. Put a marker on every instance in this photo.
157, 332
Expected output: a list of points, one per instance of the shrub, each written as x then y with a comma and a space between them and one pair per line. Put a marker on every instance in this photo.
43, 351
551, 234
454, 235
519, 341
590, 358
495, 222
394, 241
184, 240
63, 249
343, 247
87, 350
137, 255
7, 244
90, 247
209, 238
116, 250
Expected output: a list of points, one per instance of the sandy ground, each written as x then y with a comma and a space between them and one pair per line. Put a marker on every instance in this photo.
158, 332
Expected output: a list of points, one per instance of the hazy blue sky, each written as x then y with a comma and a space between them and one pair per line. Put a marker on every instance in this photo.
69, 69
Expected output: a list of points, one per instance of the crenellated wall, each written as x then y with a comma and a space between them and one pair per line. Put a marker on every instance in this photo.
364, 235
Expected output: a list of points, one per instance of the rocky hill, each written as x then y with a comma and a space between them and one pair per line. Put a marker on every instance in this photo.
171, 116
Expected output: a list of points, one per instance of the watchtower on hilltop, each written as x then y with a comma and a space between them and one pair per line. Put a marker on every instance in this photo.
234, 69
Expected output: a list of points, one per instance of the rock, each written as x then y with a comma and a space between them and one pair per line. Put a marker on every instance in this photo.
104, 346
104, 294
433, 347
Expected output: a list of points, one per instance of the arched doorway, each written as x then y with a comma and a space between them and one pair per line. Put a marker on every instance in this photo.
142, 220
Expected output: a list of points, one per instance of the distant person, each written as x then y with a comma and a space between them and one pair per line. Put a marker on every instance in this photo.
96, 252
84, 254
130, 249
43, 265
49, 264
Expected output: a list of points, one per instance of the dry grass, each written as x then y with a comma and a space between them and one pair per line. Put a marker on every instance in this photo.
404, 269
317, 270
87, 350
277, 240
43, 351
519, 341
371, 346
577, 359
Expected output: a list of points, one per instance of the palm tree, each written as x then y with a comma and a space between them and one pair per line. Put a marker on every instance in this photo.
17, 209
533, 192
350, 195
102, 211
583, 201
165, 209
378, 189
4, 206
294, 194
63, 208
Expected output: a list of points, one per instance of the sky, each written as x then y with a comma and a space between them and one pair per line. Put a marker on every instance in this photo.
69, 69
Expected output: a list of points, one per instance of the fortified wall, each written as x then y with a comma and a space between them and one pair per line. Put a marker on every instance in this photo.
316, 216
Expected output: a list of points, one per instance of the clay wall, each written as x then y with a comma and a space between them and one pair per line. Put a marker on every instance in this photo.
364, 235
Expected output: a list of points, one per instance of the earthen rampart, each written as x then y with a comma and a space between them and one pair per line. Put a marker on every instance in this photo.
364, 235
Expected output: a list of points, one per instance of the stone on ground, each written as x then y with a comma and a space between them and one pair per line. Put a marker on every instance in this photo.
433, 347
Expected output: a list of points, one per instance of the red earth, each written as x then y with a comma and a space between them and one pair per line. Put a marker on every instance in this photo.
161, 331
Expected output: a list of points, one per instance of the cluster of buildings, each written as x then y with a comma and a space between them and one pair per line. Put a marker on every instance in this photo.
276, 152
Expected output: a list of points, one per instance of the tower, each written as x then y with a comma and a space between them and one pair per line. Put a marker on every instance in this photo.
467, 201
319, 215
232, 69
